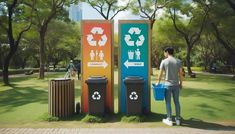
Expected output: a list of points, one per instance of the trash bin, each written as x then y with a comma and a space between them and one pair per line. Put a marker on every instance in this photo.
61, 98
134, 94
96, 94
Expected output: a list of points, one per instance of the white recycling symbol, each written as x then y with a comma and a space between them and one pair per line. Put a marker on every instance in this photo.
90, 37
96, 96
133, 96
130, 42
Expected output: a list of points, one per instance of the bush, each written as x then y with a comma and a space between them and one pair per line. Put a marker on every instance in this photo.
93, 119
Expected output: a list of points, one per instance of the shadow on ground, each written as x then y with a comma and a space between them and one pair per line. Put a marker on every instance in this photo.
200, 124
18, 96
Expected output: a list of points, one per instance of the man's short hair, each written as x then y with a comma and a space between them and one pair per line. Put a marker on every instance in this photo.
169, 50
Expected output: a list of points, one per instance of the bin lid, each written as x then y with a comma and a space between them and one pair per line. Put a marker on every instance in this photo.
134, 79
96, 79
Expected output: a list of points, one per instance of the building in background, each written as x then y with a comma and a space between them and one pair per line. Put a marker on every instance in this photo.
75, 12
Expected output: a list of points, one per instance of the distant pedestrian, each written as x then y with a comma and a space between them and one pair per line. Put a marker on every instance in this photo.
173, 82
70, 70
79, 69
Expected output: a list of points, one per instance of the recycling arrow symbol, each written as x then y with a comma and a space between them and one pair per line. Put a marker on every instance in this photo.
133, 96
96, 95
99, 31
129, 41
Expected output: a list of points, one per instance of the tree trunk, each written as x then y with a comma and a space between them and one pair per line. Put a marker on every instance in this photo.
6, 65
188, 62
42, 54
24, 63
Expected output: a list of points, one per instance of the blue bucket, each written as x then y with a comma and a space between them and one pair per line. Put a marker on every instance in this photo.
159, 92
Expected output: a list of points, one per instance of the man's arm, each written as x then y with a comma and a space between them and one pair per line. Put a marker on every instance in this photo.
181, 77
160, 76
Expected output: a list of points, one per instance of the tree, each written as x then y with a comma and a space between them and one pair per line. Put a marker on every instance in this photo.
190, 29
164, 34
222, 18
231, 4
14, 13
108, 9
45, 12
62, 42
148, 10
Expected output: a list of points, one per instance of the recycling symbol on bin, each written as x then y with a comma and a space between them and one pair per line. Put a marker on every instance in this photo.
95, 31
133, 96
136, 31
96, 95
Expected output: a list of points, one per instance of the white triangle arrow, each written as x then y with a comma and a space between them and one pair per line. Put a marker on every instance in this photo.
133, 64
103, 64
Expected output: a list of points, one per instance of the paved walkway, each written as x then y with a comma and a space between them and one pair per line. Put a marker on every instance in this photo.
112, 131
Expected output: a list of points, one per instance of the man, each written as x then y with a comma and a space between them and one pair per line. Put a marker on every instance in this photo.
173, 82
79, 69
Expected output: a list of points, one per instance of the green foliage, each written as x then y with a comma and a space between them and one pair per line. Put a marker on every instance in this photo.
93, 119
63, 42
164, 34
148, 6
133, 119
49, 118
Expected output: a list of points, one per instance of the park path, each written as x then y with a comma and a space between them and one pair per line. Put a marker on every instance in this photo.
112, 131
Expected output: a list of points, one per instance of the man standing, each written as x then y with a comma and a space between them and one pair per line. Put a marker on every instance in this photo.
173, 82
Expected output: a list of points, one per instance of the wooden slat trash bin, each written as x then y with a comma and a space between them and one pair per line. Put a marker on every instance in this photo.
61, 97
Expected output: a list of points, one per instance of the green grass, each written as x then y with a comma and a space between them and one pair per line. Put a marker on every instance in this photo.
204, 99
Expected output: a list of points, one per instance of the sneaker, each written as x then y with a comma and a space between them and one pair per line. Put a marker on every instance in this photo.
167, 122
177, 121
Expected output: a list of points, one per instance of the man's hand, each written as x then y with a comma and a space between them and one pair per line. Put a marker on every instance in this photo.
157, 82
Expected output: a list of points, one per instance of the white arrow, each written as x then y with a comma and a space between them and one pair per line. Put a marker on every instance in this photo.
90, 40
97, 30
128, 42
103, 64
103, 40
133, 64
137, 30
140, 41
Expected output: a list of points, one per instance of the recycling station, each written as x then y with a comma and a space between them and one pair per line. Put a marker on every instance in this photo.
134, 66
97, 67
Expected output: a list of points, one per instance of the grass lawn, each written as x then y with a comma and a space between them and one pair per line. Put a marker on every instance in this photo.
206, 101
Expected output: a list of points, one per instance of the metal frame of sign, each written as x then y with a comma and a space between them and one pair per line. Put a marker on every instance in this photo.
111, 104
119, 59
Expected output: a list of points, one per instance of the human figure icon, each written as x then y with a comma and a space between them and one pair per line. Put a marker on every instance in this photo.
96, 54
137, 53
130, 55
92, 55
101, 55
